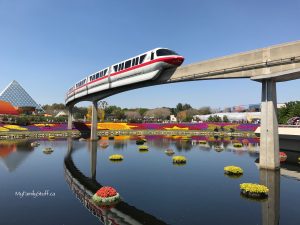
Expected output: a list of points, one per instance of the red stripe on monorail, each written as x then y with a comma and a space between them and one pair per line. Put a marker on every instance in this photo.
131, 68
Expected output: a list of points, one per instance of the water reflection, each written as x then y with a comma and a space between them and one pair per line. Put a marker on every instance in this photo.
84, 187
270, 208
13, 153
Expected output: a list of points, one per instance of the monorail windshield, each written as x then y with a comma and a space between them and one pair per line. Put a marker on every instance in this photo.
163, 52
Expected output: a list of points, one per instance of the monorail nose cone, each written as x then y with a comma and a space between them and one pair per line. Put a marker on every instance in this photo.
176, 60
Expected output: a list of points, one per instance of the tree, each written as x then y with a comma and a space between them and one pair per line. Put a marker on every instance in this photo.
204, 110
225, 119
158, 113
291, 109
133, 116
179, 107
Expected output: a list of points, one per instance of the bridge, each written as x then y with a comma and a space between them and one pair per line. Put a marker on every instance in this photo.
267, 65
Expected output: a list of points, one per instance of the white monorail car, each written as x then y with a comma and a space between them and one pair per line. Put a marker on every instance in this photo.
146, 66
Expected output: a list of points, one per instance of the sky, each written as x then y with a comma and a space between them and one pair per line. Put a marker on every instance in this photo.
48, 45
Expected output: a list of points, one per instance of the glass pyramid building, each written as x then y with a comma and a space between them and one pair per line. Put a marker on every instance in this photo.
15, 94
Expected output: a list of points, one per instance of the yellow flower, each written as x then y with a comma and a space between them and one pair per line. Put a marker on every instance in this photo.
254, 188
116, 157
179, 159
14, 127
235, 170
3, 129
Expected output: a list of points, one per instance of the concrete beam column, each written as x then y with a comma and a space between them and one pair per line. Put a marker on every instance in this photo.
269, 140
70, 117
93, 158
94, 121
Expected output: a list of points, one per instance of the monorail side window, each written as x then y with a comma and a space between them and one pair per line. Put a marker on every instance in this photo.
97, 75
105, 71
127, 64
142, 57
122, 66
116, 68
136, 60
152, 55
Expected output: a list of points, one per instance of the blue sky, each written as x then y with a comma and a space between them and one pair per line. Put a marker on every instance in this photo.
47, 46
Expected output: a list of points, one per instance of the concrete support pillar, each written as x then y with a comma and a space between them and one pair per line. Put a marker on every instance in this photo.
269, 140
93, 158
271, 207
94, 122
70, 117
70, 145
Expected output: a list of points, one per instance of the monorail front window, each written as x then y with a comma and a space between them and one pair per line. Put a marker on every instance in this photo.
163, 52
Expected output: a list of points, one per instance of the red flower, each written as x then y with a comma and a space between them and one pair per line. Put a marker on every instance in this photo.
105, 192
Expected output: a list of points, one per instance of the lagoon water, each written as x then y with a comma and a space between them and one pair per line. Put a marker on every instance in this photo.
37, 188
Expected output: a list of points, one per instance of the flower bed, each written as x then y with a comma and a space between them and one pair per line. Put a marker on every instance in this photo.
116, 157
179, 159
106, 196
233, 170
254, 190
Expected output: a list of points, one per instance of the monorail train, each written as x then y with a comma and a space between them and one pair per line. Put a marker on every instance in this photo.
146, 66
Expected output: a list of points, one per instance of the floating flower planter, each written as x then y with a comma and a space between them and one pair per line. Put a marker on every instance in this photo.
179, 159
186, 138
143, 148
82, 139
219, 148
202, 142
106, 196
282, 156
116, 157
104, 144
48, 150
256, 191
233, 171
237, 145
51, 137
169, 152
140, 142
34, 144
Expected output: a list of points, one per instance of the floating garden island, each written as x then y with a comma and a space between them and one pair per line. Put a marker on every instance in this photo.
106, 196
186, 138
219, 148
237, 145
104, 144
283, 156
116, 157
143, 148
179, 160
255, 191
233, 171
169, 152
47, 150
34, 144
140, 141
202, 142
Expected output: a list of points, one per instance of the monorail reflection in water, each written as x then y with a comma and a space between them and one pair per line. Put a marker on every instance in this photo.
84, 187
